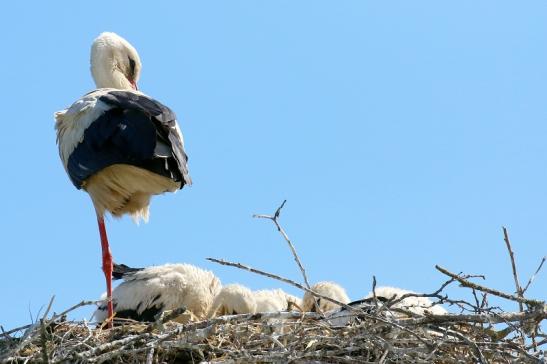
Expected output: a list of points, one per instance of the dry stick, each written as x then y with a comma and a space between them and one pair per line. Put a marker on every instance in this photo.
534, 275
43, 341
17, 329
118, 353
436, 294
72, 308
383, 357
103, 348
274, 218
374, 291
513, 267
150, 356
519, 291
484, 302
55, 317
477, 304
500, 318
43, 338
542, 342
469, 284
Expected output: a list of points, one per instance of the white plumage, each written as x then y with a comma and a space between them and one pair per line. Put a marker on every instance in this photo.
417, 305
152, 290
72, 122
273, 300
328, 289
233, 299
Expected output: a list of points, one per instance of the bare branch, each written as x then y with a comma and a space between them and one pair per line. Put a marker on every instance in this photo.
494, 292
513, 266
534, 275
275, 219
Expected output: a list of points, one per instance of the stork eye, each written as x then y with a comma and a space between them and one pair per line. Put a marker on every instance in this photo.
131, 67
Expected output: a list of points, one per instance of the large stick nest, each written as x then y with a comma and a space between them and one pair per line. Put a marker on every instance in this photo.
375, 332
371, 336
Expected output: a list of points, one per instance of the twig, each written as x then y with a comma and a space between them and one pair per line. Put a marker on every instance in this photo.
43, 341
435, 294
518, 288
43, 338
275, 218
72, 308
477, 303
484, 301
479, 318
494, 292
534, 275
383, 357
374, 294
542, 342
18, 329
150, 356
513, 266
111, 345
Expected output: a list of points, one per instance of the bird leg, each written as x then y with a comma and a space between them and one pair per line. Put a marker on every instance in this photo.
107, 268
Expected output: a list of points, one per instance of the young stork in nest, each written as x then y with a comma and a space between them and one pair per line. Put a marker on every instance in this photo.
147, 292
118, 144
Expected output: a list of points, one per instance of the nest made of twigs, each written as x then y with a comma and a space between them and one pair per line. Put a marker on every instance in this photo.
279, 337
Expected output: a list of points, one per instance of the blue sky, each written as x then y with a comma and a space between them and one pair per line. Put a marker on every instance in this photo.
403, 135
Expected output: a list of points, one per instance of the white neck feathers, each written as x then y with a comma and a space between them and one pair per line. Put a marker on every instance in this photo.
114, 62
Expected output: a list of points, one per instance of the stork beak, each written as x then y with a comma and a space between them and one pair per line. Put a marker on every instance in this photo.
134, 85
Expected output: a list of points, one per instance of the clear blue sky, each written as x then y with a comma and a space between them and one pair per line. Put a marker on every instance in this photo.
403, 135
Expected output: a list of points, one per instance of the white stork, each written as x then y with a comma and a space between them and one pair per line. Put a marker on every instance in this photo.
118, 144
328, 289
147, 292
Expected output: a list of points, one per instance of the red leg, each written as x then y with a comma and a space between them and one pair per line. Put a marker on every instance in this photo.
107, 267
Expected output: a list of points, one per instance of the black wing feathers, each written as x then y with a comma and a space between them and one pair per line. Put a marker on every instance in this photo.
137, 130
120, 271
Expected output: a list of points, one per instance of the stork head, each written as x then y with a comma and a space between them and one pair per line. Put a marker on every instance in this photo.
114, 62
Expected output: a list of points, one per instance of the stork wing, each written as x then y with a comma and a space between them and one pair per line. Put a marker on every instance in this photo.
109, 127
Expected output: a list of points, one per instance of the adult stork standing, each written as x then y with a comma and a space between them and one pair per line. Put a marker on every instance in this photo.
118, 144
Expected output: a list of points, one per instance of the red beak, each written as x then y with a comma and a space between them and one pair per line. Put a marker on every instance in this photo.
134, 84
